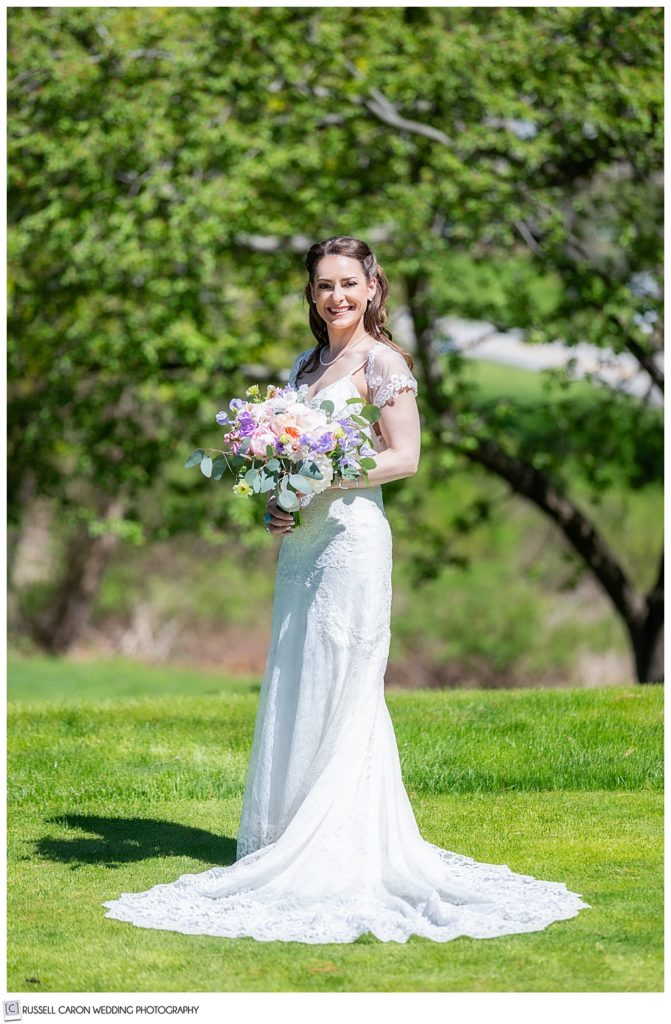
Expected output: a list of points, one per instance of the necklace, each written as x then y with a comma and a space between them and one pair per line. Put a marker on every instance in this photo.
347, 348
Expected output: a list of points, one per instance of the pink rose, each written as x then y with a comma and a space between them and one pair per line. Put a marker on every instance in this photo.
308, 421
259, 440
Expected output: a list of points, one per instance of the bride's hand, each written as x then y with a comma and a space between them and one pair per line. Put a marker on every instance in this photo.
280, 521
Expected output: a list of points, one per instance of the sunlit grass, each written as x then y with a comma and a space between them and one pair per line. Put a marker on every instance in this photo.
115, 795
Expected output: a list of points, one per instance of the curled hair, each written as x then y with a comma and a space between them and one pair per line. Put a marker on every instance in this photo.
375, 316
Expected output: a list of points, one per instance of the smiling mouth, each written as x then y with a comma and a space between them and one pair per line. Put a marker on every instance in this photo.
343, 309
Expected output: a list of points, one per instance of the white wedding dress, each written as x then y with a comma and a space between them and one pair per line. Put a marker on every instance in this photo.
328, 847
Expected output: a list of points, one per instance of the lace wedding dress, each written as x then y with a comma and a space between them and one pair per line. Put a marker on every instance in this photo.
328, 847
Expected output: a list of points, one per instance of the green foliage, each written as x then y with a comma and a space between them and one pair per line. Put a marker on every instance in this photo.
169, 166
147, 144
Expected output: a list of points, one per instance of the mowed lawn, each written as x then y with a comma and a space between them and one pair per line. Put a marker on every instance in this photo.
122, 776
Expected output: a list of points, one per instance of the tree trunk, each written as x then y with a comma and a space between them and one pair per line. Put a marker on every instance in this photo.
647, 635
87, 560
15, 531
649, 656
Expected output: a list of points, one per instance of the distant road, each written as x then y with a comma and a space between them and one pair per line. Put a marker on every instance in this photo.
478, 339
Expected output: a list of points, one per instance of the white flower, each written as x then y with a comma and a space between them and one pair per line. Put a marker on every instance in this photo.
326, 469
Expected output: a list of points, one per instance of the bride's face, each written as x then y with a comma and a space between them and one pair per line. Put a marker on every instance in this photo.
340, 291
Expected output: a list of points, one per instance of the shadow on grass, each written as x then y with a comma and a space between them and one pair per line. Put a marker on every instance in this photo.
118, 841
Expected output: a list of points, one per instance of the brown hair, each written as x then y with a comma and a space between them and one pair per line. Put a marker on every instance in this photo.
375, 316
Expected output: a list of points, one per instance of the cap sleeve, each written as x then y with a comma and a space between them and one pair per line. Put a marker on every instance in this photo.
387, 374
298, 362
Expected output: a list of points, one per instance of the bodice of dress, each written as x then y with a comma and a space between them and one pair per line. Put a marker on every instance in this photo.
386, 375
338, 391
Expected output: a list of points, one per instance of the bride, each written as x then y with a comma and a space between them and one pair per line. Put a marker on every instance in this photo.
328, 847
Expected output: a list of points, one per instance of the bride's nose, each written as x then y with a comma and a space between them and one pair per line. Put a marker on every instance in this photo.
337, 293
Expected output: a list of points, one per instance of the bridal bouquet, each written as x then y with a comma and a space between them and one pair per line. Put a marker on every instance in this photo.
282, 443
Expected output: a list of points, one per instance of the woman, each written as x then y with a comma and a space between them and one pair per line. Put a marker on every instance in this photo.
328, 847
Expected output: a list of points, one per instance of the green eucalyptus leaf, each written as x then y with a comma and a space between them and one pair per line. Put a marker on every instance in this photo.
312, 470
288, 501
194, 458
301, 483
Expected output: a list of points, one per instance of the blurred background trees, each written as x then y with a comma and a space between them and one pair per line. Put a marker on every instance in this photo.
168, 169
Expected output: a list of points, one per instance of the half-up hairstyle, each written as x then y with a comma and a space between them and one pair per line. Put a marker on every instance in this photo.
375, 316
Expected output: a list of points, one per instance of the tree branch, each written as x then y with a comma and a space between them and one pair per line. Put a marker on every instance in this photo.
645, 359
525, 479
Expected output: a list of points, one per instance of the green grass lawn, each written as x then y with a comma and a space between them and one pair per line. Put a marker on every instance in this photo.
121, 777
61, 679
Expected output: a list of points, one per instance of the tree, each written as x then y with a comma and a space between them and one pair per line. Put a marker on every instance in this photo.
168, 167
130, 309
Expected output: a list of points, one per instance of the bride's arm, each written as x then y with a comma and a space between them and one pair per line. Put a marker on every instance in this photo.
401, 429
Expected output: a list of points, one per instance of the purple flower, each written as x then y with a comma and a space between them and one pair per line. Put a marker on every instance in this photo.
246, 424
236, 403
221, 418
351, 430
325, 443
